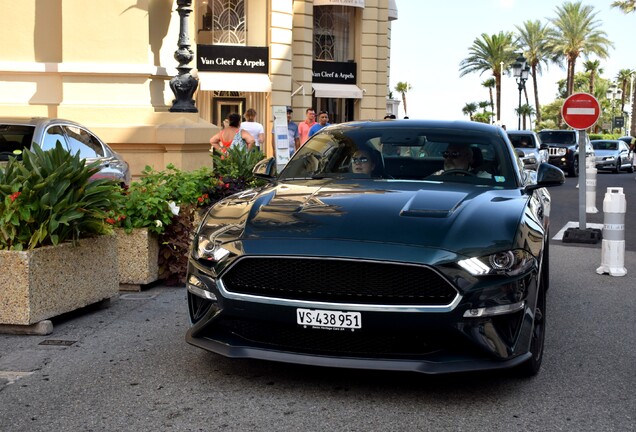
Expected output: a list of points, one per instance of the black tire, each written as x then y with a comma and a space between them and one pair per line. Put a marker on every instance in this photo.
573, 171
617, 168
531, 367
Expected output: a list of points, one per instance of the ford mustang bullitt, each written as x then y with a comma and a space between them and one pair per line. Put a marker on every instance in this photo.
401, 245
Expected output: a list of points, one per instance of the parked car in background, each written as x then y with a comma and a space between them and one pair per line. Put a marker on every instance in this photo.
405, 245
563, 148
534, 152
18, 133
613, 155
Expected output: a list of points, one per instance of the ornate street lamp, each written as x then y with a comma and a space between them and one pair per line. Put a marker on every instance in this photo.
184, 84
520, 70
613, 93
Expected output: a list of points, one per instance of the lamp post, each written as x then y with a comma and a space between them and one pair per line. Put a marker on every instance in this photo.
613, 93
184, 84
520, 71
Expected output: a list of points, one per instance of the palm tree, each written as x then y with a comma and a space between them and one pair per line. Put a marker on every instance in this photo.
576, 31
593, 67
623, 78
490, 53
483, 105
533, 37
403, 87
525, 111
470, 109
490, 84
626, 6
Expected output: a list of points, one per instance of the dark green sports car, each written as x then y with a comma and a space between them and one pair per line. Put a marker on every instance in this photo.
393, 245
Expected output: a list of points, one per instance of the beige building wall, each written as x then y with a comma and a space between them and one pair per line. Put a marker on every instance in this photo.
107, 64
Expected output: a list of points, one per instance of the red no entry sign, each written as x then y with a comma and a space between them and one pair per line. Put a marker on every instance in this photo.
580, 111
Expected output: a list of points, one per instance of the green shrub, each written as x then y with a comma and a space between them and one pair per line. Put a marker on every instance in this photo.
47, 198
153, 200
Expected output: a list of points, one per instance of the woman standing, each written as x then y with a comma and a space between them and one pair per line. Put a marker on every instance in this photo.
232, 135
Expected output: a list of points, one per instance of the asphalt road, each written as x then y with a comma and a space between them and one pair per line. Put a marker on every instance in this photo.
127, 367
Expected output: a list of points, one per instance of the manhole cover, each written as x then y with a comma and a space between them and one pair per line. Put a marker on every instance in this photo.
57, 342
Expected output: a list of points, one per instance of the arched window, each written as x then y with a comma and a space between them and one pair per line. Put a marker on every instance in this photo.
333, 33
222, 22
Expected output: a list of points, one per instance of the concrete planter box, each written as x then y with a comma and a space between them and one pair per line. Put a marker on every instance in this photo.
138, 258
39, 284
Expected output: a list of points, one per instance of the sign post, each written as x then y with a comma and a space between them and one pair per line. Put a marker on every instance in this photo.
581, 111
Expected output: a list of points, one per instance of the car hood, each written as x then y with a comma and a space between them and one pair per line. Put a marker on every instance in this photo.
451, 216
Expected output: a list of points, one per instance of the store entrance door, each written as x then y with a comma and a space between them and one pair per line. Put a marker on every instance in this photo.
223, 107
340, 110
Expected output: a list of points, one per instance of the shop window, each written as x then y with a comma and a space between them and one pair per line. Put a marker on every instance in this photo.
333, 33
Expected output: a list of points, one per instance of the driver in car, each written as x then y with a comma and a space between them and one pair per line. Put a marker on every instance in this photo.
458, 158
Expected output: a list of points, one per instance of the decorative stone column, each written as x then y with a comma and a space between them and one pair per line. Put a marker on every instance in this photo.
184, 84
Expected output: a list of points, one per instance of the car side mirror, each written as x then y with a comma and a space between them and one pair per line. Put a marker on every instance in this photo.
547, 176
265, 169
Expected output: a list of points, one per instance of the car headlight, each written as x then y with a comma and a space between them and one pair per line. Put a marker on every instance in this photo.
508, 263
207, 244
609, 158
561, 152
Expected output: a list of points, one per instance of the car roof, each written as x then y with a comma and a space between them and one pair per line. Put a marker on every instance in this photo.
458, 125
520, 132
35, 121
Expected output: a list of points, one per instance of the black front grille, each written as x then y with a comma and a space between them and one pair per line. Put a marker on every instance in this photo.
339, 281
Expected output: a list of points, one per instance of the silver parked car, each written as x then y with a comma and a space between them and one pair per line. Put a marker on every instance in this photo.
613, 155
18, 133
528, 142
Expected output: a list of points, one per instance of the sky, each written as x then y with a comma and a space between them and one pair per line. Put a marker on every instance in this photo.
430, 38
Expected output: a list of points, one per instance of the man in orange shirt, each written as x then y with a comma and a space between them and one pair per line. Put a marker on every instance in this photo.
303, 127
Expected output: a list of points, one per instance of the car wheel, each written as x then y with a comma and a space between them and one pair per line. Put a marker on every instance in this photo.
574, 168
531, 366
617, 168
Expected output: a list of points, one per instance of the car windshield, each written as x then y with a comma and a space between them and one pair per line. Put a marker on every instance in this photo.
604, 145
521, 141
557, 137
14, 138
374, 151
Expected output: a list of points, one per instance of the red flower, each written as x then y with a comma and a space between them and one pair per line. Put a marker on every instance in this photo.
226, 185
110, 221
14, 196
205, 196
200, 199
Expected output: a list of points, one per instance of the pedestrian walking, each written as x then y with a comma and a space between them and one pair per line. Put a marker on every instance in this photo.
254, 128
303, 127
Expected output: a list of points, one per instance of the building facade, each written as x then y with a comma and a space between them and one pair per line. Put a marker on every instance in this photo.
108, 64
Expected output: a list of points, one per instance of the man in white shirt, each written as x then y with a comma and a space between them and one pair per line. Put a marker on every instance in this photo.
254, 128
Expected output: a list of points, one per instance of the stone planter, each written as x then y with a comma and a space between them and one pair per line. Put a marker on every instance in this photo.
138, 258
39, 284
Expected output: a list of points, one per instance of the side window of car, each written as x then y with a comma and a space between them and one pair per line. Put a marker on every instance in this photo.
51, 137
83, 142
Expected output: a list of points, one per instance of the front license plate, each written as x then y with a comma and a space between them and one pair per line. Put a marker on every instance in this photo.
328, 319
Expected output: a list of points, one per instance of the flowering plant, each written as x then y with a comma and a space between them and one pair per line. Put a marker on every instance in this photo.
48, 198
156, 198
